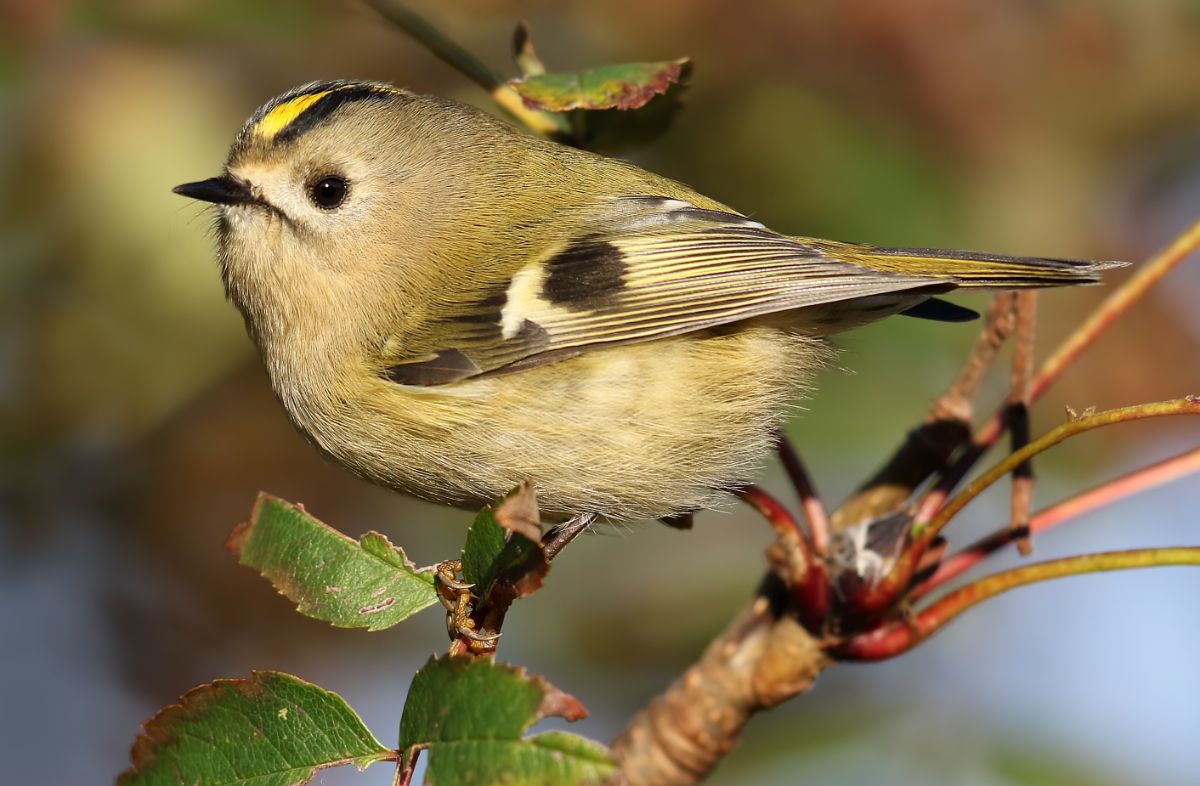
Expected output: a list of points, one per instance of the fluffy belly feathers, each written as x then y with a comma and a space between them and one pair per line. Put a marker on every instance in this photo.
654, 430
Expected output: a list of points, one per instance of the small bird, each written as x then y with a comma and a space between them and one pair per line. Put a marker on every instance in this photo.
449, 306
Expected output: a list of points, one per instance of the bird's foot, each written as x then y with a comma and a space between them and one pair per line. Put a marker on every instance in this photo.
455, 595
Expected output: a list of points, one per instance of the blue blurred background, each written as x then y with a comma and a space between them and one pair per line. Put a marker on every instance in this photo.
136, 425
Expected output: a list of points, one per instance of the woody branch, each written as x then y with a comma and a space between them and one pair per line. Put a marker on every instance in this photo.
773, 650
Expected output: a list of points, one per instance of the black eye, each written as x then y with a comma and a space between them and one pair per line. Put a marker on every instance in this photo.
328, 192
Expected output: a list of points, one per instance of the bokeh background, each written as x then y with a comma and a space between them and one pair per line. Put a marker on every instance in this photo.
136, 425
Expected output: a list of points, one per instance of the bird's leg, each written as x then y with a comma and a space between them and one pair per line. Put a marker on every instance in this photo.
557, 539
463, 611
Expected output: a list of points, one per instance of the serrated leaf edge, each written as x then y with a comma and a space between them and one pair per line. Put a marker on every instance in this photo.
671, 72
145, 746
238, 536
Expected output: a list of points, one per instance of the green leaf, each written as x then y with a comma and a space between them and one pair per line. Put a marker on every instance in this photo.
369, 584
485, 541
519, 570
470, 714
625, 86
503, 555
270, 730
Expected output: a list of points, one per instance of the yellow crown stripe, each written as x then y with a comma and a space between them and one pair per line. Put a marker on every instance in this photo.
282, 116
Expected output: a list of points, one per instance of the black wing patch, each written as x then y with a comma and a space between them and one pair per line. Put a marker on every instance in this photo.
651, 267
586, 274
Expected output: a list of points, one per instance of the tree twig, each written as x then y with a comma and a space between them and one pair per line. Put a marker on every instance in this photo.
810, 501
1097, 323
927, 530
1019, 403
958, 402
786, 526
895, 638
883, 594
790, 555
1105, 494
929, 447
546, 123
659, 744
760, 660
1112, 308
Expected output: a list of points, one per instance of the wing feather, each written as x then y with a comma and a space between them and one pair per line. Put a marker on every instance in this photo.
651, 268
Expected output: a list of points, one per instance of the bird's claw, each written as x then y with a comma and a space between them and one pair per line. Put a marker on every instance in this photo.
446, 582
455, 596
446, 574
478, 636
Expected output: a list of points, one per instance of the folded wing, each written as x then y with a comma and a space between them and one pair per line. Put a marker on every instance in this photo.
651, 267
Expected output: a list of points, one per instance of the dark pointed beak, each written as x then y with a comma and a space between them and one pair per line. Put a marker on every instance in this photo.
224, 190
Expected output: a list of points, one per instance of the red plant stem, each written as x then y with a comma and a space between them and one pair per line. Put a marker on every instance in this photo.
1105, 494
810, 501
406, 767
1147, 478
933, 501
885, 593
927, 531
1098, 322
779, 517
805, 575
1101, 319
816, 598
1115, 306
896, 637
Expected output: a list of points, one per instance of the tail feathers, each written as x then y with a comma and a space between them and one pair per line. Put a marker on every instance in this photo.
971, 269
939, 310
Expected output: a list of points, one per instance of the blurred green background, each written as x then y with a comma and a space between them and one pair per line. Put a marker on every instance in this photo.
137, 425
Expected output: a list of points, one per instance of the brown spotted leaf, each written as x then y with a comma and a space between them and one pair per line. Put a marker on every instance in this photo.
270, 730
367, 583
624, 86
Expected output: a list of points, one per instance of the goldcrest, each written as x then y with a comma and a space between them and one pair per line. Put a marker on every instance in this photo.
448, 306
